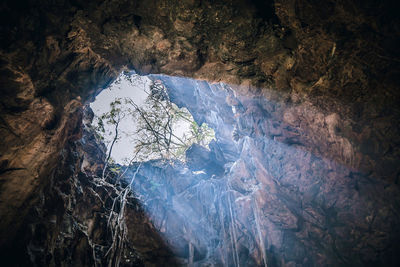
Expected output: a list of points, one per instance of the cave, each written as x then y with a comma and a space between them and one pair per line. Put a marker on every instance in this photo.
303, 168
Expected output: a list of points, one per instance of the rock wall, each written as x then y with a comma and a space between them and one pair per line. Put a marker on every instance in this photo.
260, 197
331, 69
69, 225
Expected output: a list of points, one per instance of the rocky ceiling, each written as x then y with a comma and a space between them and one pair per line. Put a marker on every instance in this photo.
333, 66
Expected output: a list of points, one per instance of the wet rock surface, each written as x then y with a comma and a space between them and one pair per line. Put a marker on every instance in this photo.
316, 119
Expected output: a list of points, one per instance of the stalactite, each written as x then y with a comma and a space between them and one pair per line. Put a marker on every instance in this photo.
261, 247
233, 229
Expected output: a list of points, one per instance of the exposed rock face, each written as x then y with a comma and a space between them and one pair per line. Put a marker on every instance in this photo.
275, 203
68, 225
331, 69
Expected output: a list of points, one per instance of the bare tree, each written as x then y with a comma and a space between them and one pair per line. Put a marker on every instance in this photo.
114, 118
163, 130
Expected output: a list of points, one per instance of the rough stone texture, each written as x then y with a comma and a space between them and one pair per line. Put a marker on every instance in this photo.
274, 195
68, 224
331, 68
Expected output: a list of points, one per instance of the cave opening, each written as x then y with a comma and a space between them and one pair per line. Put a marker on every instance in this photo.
136, 120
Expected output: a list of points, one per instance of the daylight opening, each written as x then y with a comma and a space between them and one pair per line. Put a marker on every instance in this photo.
137, 121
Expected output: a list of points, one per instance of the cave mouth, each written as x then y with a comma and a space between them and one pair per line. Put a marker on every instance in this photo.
136, 120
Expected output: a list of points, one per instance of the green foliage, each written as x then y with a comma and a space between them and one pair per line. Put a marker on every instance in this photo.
115, 114
115, 169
